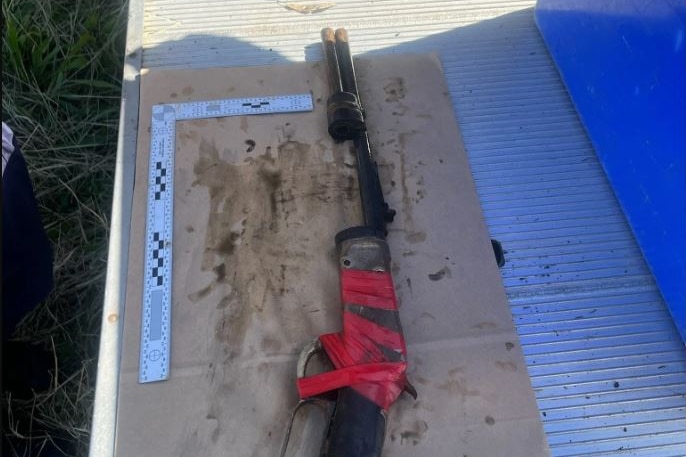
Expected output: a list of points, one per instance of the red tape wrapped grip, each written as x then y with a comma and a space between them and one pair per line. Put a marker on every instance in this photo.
356, 352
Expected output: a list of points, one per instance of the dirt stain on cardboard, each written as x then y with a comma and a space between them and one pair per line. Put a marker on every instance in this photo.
440, 274
395, 90
255, 238
412, 434
506, 366
456, 384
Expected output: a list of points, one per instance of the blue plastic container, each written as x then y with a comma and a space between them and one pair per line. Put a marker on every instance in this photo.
623, 63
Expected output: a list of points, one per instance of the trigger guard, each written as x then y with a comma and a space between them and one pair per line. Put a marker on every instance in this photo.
312, 348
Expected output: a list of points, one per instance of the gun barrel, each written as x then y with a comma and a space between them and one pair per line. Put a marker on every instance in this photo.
345, 62
346, 122
374, 207
331, 59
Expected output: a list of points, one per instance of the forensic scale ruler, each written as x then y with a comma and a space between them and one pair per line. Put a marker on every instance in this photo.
157, 281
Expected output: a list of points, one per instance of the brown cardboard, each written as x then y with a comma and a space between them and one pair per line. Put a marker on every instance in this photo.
255, 277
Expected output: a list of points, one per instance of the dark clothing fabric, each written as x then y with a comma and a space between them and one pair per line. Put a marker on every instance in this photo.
26, 252
26, 281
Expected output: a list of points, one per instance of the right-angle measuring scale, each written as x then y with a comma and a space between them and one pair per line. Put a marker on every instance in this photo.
157, 281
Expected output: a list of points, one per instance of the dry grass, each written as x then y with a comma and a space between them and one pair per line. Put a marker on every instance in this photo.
61, 84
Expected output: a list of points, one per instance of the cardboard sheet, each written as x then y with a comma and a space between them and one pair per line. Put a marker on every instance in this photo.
258, 201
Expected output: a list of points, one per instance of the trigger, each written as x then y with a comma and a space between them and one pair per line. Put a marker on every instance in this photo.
409, 389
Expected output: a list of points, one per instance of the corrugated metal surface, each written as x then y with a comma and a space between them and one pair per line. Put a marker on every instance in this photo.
604, 357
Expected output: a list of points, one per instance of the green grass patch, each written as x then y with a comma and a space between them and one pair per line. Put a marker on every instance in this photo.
61, 88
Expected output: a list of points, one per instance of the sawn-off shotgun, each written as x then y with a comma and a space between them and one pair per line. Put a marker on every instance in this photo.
369, 355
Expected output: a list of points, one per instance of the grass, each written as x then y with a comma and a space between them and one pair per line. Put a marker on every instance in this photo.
61, 85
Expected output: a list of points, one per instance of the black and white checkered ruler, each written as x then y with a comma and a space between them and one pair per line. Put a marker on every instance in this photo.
157, 283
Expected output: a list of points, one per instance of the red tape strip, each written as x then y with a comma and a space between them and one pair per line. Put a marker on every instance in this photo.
381, 373
356, 352
368, 288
